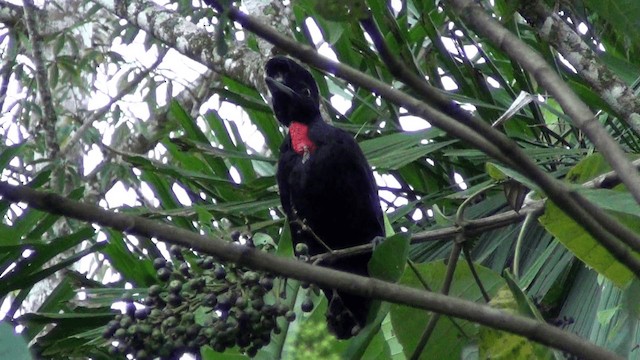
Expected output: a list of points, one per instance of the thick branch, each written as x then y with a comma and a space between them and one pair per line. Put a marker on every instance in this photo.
50, 118
255, 259
168, 27
535, 64
10, 14
7, 66
196, 43
581, 56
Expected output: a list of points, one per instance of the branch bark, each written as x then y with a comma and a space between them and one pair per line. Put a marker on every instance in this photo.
580, 55
255, 259
177, 32
48, 122
573, 106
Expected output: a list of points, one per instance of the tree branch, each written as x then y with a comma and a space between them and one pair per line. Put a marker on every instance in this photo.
446, 286
474, 227
196, 43
48, 123
88, 123
255, 259
10, 14
9, 62
580, 55
485, 138
531, 61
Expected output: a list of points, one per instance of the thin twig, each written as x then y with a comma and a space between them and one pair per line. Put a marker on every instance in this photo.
422, 281
474, 273
88, 123
306, 228
446, 286
426, 286
519, 242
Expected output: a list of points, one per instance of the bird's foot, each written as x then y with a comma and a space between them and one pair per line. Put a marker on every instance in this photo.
342, 322
377, 241
355, 330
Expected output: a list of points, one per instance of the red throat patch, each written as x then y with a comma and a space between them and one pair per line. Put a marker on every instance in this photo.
300, 138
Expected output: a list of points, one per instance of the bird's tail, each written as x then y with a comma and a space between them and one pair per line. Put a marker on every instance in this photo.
346, 314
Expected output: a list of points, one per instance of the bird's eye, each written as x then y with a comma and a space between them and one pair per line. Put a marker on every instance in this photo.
306, 92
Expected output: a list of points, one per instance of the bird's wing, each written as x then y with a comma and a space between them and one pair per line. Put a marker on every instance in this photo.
285, 165
347, 151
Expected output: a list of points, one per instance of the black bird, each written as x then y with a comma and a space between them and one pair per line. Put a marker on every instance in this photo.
326, 184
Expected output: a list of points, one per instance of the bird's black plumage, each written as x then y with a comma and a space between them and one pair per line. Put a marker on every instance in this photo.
326, 182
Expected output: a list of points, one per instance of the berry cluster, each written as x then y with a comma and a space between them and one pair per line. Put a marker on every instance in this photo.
200, 302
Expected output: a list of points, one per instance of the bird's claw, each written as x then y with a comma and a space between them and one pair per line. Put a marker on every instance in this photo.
377, 241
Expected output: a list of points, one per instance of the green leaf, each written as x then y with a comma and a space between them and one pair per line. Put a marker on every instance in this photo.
370, 334
377, 348
337, 10
499, 172
27, 273
622, 15
56, 301
392, 344
139, 271
285, 244
383, 145
604, 316
208, 353
71, 318
614, 201
12, 345
495, 172
390, 258
525, 305
33, 278
496, 344
10, 152
398, 158
616, 318
448, 339
261, 240
584, 246
576, 239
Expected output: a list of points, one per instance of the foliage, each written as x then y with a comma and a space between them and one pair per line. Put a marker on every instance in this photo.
199, 152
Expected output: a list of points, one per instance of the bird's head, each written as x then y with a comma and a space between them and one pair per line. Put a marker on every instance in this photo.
293, 90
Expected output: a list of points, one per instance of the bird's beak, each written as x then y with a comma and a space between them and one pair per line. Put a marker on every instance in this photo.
277, 87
